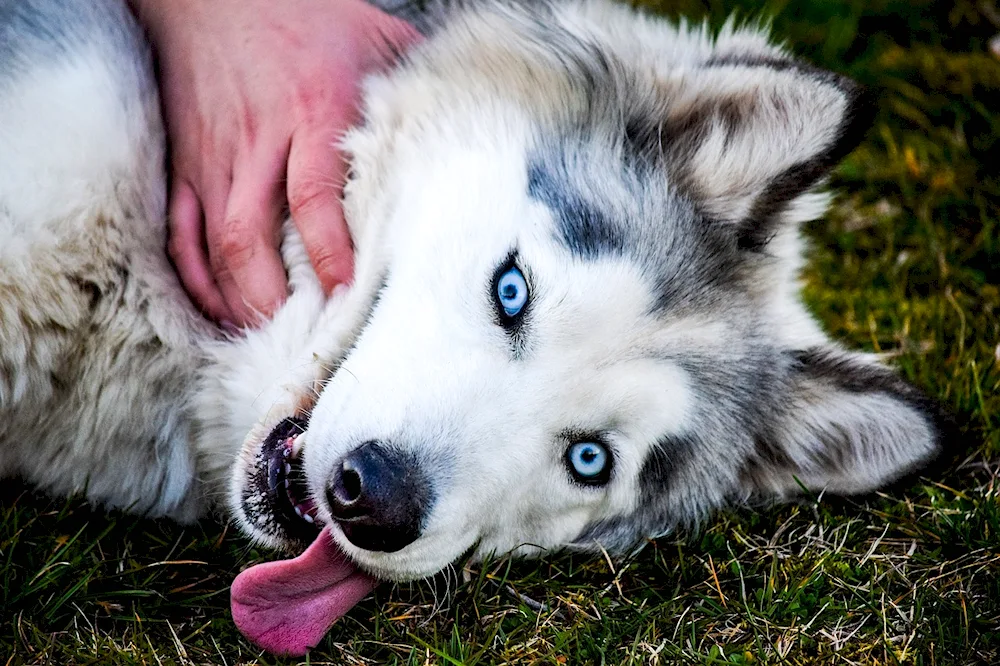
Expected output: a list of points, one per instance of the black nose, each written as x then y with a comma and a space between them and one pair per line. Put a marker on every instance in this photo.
379, 496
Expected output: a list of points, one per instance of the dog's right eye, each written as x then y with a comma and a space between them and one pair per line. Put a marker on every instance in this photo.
510, 292
589, 463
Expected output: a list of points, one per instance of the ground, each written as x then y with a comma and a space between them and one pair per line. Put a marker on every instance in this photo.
908, 264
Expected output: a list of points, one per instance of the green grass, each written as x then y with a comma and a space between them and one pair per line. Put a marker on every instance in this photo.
908, 264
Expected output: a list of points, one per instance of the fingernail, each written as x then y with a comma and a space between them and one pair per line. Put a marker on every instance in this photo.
340, 290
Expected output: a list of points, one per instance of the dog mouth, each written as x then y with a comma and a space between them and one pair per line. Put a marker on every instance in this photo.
287, 606
278, 500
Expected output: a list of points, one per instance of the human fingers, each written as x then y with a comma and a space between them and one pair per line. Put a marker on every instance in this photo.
244, 239
188, 251
316, 176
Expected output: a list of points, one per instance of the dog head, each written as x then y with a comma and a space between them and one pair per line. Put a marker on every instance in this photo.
578, 237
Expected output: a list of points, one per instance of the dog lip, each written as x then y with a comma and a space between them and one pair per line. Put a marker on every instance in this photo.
278, 477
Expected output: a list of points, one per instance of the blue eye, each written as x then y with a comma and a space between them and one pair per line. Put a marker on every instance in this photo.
512, 291
590, 462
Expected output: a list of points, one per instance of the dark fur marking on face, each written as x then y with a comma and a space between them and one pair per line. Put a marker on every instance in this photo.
620, 534
679, 136
620, 220
583, 228
641, 138
663, 461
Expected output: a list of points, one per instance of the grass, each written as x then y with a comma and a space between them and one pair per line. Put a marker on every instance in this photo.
908, 264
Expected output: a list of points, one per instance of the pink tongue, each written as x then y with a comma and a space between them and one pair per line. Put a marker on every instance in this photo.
287, 607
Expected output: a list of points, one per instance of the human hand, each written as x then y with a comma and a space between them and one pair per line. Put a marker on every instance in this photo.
256, 94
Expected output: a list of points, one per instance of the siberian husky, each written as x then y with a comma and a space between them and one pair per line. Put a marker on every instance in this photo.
575, 321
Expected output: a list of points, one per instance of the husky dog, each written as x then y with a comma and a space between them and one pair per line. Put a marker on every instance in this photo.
575, 320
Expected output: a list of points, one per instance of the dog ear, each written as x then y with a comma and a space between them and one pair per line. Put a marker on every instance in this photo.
745, 138
848, 425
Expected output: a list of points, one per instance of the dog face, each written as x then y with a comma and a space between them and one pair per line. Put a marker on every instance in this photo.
583, 327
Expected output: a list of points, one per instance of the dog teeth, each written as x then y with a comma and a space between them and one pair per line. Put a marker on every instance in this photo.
291, 449
297, 442
302, 512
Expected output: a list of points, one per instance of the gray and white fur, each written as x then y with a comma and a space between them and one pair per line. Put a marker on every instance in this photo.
648, 181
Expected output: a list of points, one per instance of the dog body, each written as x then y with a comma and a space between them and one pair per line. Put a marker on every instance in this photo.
575, 318
111, 384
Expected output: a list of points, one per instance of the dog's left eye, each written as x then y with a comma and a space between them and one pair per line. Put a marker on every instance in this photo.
511, 291
589, 462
